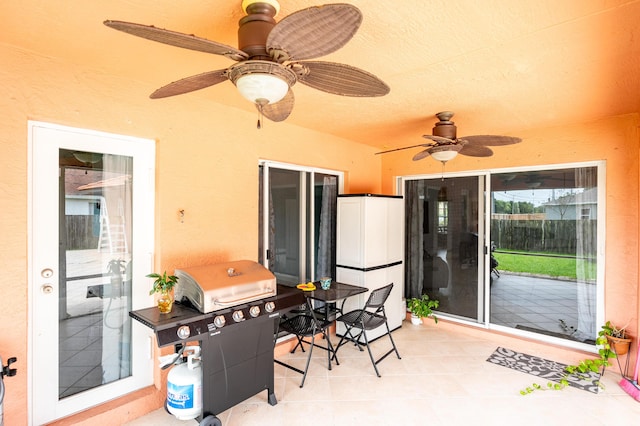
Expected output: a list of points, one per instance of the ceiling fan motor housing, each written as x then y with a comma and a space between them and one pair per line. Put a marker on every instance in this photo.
254, 29
445, 127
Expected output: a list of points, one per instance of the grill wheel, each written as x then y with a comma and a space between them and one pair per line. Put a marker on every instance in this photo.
211, 421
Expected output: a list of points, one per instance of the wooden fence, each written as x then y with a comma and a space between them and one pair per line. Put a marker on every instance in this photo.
82, 232
552, 236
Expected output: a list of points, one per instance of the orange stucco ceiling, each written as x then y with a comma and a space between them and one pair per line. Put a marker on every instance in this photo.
501, 65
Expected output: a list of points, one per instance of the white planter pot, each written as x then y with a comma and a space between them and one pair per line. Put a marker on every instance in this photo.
416, 320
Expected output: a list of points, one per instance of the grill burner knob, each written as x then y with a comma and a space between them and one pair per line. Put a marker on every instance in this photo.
184, 332
238, 316
219, 321
269, 306
254, 311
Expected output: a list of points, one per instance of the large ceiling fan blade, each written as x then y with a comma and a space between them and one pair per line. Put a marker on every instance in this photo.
177, 39
476, 151
490, 140
400, 149
189, 84
281, 109
313, 32
421, 155
340, 79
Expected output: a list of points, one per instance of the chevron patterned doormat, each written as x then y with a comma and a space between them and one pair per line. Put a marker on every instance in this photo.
542, 368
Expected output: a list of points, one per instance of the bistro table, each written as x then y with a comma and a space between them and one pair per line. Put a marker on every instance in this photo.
336, 292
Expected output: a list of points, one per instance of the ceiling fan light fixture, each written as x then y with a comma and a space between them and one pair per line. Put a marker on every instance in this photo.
87, 157
444, 153
260, 81
260, 87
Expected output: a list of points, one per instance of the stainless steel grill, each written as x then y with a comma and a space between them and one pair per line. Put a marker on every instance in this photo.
218, 286
231, 309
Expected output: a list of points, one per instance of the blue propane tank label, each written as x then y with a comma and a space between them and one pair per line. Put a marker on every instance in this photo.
180, 397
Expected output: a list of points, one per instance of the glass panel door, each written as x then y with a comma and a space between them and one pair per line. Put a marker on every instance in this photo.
299, 218
94, 270
92, 209
288, 235
444, 250
544, 226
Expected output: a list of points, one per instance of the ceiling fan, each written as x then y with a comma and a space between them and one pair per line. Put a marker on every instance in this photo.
445, 144
270, 57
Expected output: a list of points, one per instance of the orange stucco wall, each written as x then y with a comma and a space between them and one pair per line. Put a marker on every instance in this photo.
207, 158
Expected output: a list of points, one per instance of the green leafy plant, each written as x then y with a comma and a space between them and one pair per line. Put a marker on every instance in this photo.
163, 283
611, 330
583, 369
423, 307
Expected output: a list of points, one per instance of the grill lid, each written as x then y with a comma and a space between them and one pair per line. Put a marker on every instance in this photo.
221, 285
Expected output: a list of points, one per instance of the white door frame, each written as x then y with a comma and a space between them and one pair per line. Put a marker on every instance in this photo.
45, 140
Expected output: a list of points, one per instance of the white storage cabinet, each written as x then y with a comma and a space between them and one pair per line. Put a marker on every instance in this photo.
370, 251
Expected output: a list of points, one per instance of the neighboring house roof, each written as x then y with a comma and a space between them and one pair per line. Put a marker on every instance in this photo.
588, 196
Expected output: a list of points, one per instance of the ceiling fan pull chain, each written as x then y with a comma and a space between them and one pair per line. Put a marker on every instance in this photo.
260, 116
443, 163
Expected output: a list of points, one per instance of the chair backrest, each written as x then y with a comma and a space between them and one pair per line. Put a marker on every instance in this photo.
378, 297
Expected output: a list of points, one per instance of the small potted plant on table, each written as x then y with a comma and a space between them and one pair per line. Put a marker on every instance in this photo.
163, 285
422, 308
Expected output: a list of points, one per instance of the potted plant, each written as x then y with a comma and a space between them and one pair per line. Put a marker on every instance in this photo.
422, 308
617, 338
163, 285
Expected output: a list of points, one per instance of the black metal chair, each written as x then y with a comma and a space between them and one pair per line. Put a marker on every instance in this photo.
305, 325
370, 317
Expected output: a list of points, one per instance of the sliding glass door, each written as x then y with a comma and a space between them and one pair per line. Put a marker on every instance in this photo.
444, 244
544, 225
515, 250
297, 221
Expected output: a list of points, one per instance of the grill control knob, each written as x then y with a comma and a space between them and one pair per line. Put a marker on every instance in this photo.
219, 321
269, 306
184, 332
254, 311
238, 316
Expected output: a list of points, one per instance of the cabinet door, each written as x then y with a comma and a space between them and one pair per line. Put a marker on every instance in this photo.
369, 231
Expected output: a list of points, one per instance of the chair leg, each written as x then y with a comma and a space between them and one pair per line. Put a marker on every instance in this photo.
300, 340
346, 337
330, 350
340, 343
356, 340
392, 342
306, 369
373, 361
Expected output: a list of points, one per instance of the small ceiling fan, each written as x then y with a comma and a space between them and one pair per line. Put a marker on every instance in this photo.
270, 56
445, 144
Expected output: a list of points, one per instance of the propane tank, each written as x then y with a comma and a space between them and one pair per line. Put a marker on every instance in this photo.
184, 387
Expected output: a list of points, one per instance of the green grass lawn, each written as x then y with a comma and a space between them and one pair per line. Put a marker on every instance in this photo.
543, 265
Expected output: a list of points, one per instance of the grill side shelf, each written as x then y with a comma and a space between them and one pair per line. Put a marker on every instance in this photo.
165, 325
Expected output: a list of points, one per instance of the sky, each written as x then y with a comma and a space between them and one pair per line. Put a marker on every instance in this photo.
535, 196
